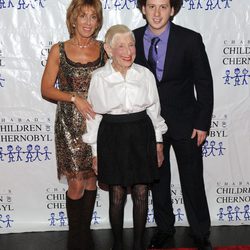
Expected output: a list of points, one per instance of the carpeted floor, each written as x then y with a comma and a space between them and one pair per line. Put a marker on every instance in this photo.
233, 248
214, 248
230, 237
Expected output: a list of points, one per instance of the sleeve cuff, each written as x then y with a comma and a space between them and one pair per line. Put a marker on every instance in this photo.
158, 136
94, 149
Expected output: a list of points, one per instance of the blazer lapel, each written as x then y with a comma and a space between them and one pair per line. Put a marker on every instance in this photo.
170, 52
141, 58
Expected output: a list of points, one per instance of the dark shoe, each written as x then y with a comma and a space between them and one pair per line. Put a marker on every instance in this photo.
159, 239
116, 248
203, 244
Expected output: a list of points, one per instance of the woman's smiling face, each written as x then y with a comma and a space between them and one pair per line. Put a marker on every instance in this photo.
122, 50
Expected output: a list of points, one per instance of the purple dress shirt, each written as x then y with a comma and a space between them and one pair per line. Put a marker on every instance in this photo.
161, 48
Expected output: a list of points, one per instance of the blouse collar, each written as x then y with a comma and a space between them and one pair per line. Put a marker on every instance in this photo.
132, 74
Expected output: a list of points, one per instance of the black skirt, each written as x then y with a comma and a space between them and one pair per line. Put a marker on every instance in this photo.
126, 150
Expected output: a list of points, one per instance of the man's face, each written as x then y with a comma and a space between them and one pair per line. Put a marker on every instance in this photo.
157, 13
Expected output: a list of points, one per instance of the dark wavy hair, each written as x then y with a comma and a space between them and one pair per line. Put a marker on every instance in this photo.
176, 4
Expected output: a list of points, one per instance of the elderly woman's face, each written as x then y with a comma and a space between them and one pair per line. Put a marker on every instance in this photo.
123, 51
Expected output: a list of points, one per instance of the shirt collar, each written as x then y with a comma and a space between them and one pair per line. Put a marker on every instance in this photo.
163, 36
133, 73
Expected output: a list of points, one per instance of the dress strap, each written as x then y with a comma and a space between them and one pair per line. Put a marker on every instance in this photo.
61, 48
62, 52
102, 52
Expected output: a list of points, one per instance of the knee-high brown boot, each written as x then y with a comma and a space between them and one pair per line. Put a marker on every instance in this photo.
87, 214
74, 213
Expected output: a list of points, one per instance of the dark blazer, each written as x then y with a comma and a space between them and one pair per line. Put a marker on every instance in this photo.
186, 88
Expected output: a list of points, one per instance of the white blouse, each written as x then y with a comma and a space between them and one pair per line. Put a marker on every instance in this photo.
111, 93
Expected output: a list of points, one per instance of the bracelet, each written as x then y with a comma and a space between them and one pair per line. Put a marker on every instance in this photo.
159, 142
73, 98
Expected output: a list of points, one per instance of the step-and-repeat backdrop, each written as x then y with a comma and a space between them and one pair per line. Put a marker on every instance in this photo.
31, 197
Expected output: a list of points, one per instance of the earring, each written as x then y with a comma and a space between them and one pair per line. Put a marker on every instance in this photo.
74, 25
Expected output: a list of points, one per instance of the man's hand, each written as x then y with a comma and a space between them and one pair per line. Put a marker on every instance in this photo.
201, 136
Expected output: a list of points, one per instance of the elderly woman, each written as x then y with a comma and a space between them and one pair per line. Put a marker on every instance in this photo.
72, 63
126, 133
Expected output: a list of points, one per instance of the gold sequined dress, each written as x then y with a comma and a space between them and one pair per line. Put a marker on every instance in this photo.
74, 157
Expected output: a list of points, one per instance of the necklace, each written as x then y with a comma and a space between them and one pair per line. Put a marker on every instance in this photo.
83, 46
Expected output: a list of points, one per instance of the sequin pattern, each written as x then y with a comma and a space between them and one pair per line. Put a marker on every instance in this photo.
74, 158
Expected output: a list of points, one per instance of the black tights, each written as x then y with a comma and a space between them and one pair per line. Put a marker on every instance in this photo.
117, 198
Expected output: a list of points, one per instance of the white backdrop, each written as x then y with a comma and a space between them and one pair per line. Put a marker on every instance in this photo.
31, 198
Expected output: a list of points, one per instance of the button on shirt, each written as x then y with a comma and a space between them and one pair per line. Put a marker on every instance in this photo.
111, 93
161, 48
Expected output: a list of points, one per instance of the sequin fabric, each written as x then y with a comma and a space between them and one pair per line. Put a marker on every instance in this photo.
74, 157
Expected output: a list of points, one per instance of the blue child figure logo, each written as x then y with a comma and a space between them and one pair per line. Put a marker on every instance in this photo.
29, 155
18, 152
237, 212
209, 5
10, 4
226, 3
217, 5
46, 153
244, 81
41, 3
1, 220
1, 154
221, 148
62, 218
191, 4
230, 213
236, 77
227, 77
2, 80
221, 214
199, 6
10, 154
246, 212
21, 4
234, 214
106, 5
95, 217
7, 221
212, 148
52, 219
16, 155
204, 148
179, 215
37, 149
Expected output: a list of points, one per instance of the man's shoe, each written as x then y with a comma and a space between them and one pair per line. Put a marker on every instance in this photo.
159, 239
203, 244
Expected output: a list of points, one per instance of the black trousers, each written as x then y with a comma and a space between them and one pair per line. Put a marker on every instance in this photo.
190, 166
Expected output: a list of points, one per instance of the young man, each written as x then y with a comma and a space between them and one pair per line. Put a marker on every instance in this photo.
185, 86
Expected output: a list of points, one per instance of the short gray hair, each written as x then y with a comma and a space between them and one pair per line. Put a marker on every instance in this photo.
117, 29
